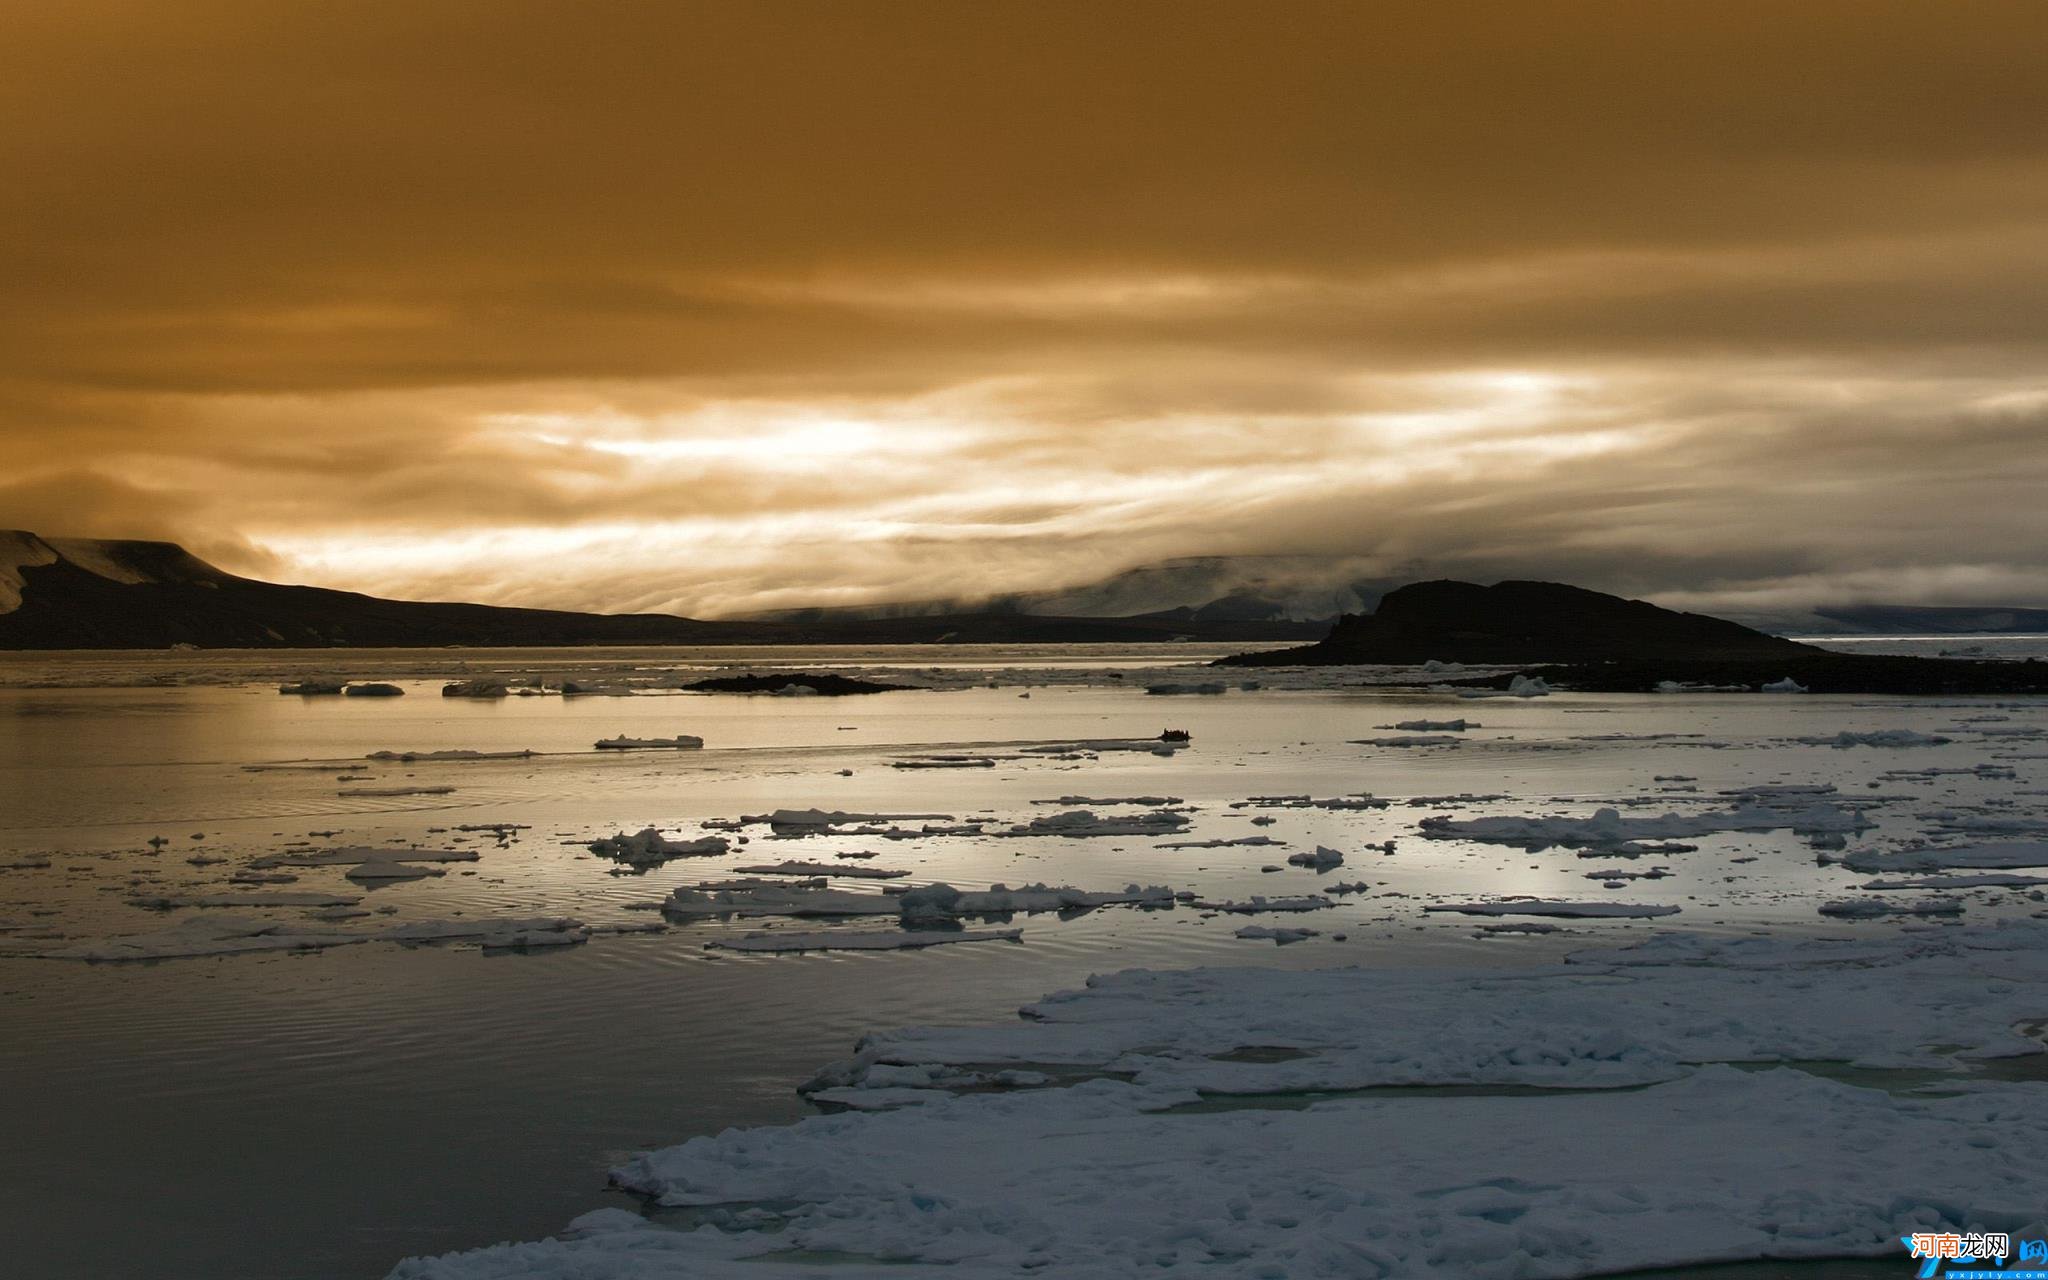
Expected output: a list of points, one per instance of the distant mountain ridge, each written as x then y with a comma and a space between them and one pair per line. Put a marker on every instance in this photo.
74, 593
1304, 588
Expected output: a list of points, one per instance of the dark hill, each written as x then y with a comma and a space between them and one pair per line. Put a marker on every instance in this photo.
1524, 622
1580, 639
87, 594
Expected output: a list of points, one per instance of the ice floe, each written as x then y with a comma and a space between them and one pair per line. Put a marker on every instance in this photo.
1518, 687
791, 867
1257, 904
853, 940
390, 869
229, 935
1085, 822
1879, 738
1995, 856
1411, 740
1281, 936
1876, 908
681, 741
172, 902
1323, 859
352, 854
784, 899
459, 755
1988, 880
1554, 907
1608, 827
648, 847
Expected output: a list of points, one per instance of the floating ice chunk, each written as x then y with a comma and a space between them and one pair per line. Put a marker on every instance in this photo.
346, 856
1518, 687
648, 847
373, 689
1984, 823
208, 936
1257, 904
941, 901
437, 757
388, 792
944, 762
482, 687
1207, 688
1787, 685
745, 884
806, 822
588, 688
851, 940
600, 1221
1149, 802
1410, 740
246, 876
782, 899
681, 741
1433, 726
791, 867
1160, 746
1323, 859
313, 686
1084, 822
1775, 791
1872, 908
247, 900
1281, 936
1552, 907
1988, 880
387, 869
1608, 827
1253, 842
1878, 738
535, 931
2016, 853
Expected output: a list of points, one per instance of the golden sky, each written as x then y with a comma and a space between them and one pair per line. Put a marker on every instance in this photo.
722, 306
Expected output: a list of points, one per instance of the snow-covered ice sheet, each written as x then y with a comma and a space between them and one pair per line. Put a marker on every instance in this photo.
1112, 1178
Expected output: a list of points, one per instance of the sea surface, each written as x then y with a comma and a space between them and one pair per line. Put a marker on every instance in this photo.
323, 1114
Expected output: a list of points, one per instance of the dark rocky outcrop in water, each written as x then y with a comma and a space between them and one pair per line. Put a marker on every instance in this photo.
1578, 639
75, 593
1518, 622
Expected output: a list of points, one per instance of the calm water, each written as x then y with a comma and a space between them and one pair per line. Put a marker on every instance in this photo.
323, 1114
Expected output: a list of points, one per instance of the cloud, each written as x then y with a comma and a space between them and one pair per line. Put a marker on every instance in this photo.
715, 307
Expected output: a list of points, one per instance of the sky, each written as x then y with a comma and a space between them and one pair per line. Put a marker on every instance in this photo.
721, 307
